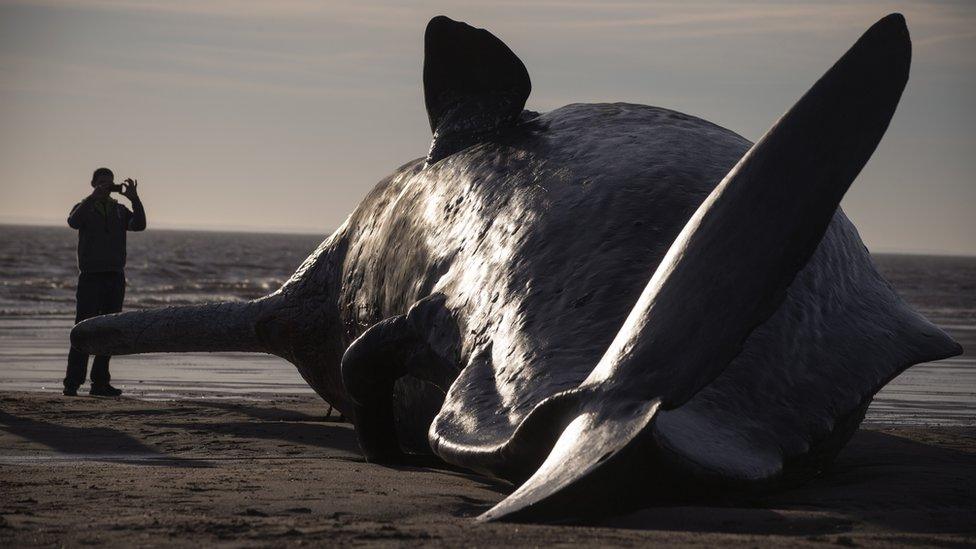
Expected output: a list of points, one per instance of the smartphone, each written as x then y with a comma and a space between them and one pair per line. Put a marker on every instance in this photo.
117, 188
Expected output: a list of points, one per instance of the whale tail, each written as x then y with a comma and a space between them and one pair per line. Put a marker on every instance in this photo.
725, 274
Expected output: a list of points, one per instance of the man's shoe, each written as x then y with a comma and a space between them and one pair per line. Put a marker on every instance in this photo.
104, 390
70, 391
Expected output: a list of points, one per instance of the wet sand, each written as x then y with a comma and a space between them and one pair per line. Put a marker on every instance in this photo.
34, 349
277, 470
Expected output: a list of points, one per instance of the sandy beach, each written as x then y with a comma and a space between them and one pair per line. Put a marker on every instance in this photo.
251, 473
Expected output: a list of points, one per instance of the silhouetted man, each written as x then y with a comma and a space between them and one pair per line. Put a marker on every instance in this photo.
102, 224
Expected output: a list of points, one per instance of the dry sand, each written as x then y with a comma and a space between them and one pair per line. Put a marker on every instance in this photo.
240, 472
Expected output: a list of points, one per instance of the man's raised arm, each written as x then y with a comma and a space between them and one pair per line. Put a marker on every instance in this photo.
138, 220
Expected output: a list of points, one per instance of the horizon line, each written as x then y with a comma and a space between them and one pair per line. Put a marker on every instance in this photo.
308, 231
191, 227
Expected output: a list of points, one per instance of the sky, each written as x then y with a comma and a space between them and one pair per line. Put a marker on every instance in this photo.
280, 116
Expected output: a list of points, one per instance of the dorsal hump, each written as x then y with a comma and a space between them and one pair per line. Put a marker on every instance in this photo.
474, 85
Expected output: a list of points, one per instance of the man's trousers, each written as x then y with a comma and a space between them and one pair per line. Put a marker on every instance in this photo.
98, 294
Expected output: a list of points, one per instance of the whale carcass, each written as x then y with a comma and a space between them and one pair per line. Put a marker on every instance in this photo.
603, 304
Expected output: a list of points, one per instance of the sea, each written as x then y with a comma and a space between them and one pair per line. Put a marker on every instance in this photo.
38, 275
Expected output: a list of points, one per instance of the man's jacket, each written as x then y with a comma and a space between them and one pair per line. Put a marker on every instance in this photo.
102, 226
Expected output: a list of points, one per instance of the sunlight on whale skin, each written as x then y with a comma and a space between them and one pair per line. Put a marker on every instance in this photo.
608, 305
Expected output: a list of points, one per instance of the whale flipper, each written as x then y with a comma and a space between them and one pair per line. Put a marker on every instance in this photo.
724, 275
421, 343
474, 85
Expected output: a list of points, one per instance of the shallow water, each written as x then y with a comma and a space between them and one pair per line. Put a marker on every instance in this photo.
38, 275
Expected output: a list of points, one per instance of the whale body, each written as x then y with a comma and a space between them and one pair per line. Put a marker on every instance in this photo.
604, 304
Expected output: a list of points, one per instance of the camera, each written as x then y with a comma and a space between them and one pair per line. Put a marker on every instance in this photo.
117, 188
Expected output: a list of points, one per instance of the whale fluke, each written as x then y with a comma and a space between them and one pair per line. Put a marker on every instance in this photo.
724, 275
474, 85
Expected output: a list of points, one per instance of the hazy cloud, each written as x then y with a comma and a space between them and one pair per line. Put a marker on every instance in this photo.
296, 108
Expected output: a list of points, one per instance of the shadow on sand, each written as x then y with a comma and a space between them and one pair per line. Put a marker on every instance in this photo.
299, 433
88, 443
880, 480
327, 432
273, 414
